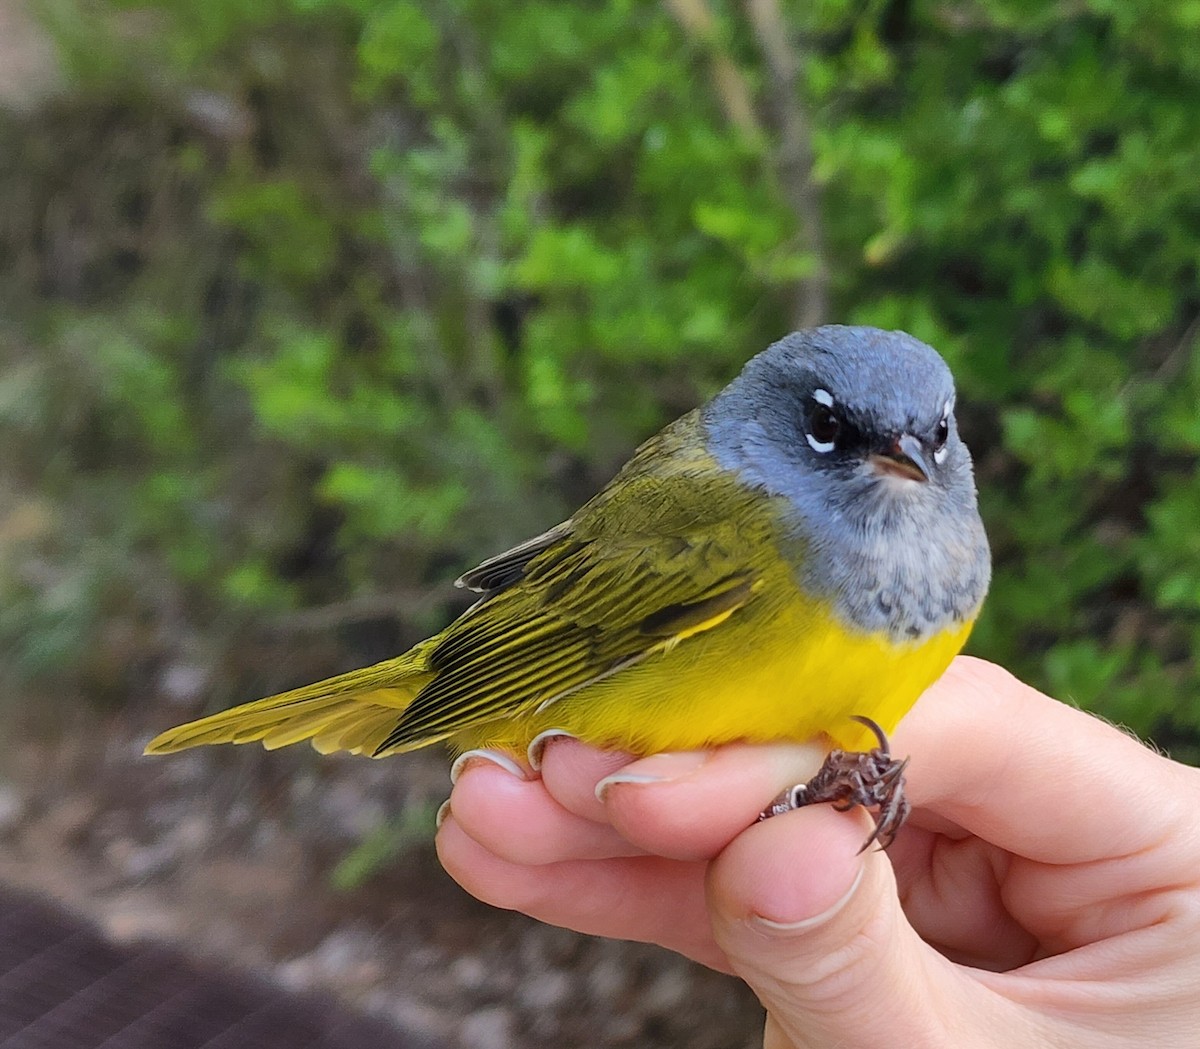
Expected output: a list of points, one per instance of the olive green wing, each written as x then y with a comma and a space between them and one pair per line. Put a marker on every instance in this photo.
668, 550
589, 614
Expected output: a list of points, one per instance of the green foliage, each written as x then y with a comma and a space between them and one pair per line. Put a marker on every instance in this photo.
408, 279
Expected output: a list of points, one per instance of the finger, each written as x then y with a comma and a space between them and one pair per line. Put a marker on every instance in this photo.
690, 805
818, 933
645, 898
1037, 777
571, 769
519, 821
953, 894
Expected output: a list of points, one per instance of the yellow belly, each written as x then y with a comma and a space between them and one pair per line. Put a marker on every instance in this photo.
789, 671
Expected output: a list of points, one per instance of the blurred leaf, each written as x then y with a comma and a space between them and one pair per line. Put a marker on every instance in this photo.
414, 827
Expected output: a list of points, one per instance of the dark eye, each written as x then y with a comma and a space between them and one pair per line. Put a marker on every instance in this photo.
823, 428
941, 434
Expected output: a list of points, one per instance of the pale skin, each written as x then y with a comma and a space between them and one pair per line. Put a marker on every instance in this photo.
1045, 892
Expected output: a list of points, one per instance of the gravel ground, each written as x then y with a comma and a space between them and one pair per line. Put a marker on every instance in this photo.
231, 853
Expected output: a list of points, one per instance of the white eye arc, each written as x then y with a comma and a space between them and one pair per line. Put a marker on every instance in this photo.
823, 423
943, 449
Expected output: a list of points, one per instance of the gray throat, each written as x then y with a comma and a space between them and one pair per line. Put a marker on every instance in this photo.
909, 564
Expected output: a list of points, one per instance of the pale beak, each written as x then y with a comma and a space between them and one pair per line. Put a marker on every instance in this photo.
904, 458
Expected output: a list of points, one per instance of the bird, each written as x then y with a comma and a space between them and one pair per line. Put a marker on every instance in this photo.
797, 559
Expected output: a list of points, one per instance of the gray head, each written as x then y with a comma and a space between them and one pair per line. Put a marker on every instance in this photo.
855, 429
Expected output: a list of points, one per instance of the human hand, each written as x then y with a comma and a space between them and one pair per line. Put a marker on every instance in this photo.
1046, 890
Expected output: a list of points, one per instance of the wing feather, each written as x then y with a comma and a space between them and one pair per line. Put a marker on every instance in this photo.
641, 569
502, 570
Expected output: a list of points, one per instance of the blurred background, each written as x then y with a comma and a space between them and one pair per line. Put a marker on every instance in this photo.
307, 305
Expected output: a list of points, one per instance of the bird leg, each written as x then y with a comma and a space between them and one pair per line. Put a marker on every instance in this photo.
874, 780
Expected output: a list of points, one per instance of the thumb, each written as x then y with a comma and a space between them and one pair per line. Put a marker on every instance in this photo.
817, 932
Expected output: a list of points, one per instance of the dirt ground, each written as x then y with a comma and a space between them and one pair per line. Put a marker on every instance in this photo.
231, 853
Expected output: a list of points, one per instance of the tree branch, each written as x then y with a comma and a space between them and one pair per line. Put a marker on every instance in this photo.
733, 93
794, 160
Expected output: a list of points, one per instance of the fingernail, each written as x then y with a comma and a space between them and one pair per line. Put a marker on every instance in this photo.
494, 756
658, 768
537, 745
771, 925
442, 813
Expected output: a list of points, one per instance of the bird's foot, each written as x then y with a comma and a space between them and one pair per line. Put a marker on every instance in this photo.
873, 779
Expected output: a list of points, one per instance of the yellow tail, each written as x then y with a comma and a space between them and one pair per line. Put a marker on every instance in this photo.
352, 712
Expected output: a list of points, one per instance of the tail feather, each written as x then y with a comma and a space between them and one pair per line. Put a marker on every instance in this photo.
361, 734
318, 719
353, 711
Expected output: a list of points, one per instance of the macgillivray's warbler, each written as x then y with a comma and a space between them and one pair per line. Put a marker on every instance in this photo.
800, 558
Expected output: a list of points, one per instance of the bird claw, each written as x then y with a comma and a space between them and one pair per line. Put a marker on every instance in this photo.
872, 779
